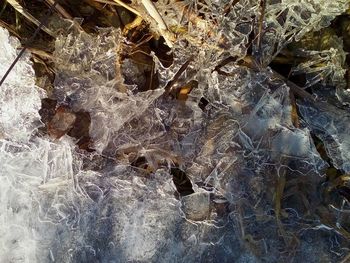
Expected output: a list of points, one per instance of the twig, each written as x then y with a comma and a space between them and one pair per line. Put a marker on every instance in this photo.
143, 41
27, 15
295, 88
10, 29
40, 53
135, 23
229, 6
120, 3
60, 9
261, 21
171, 83
153, 12
294, 113
250, 62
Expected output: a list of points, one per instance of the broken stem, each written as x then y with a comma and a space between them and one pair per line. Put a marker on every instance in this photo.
120, 3
162, 27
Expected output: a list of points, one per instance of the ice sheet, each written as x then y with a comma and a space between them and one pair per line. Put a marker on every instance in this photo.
233, 138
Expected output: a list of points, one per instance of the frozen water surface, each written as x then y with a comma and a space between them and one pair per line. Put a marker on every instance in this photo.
237, 153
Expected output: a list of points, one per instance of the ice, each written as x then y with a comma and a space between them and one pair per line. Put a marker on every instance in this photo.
330, 124
254, 180
18, 118
196, 206
323, 62
331, 72
89, 79
227, 26
288, 20
258, 137
54, 210
216, 26
24, 169
61, 215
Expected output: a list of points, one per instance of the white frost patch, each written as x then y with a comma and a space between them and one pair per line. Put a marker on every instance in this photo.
19, 97
24, 166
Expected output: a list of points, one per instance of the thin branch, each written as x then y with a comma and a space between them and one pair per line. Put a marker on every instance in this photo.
60, 9
27, 15
120, 3
261, 22
10, 29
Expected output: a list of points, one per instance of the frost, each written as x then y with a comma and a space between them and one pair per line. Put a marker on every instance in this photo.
24, 169
18, 117
62, 213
